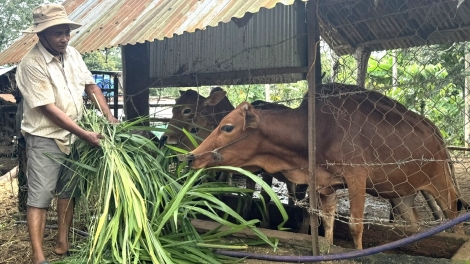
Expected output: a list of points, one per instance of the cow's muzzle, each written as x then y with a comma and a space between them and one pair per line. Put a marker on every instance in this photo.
190, 157
196, 161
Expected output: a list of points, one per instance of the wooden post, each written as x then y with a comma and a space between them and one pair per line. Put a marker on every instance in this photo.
362, 56
394, 69
116, 95
136, 78
267, 92
466, 97
313, 75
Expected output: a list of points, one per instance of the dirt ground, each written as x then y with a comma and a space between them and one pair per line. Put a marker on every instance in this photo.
14, 240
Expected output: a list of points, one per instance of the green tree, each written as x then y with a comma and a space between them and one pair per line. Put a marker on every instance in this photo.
106, 60
429, 82
15, 16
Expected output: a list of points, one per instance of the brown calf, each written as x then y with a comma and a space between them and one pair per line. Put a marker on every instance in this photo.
199, 116
379, 148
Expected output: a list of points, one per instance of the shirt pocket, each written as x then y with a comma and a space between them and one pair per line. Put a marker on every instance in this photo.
79, 85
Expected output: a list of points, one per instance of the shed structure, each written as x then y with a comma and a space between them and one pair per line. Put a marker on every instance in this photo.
177, 43
189, 43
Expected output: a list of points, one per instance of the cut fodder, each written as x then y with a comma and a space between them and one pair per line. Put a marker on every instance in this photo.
137, 211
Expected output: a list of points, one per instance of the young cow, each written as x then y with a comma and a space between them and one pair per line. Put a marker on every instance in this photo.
379, 148
199, 115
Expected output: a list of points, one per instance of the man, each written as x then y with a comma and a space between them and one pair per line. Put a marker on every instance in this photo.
52, 78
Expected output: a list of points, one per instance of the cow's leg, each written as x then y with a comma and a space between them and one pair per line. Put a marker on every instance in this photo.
328, 206
300, 191
266, 222
357, 197
404, 206
446, 198
304, 227
398, 209
296, 192
435, 209
394, 212
291, 192
328, 209
249, 184
442, 189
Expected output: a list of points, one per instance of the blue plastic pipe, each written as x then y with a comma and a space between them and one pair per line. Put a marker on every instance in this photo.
353, 254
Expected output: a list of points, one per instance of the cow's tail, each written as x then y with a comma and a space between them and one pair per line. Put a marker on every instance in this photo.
461, 203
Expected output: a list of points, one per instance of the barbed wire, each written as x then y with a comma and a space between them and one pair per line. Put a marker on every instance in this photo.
407, 94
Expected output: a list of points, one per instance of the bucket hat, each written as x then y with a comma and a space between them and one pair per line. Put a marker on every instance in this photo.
46, 16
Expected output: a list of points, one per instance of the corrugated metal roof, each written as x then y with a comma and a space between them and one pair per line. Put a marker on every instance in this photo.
108, 23
392, 24
269, 39
344, 24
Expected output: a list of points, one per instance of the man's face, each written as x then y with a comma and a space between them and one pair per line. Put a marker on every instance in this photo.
56, 38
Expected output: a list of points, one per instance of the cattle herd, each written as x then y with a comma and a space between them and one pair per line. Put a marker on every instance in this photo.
365, 142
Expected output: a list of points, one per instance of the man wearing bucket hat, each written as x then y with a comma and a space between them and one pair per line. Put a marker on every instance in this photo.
52, 78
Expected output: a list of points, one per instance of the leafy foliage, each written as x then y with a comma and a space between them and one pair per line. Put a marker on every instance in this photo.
139, 205
429, 81
107, 60
15, 16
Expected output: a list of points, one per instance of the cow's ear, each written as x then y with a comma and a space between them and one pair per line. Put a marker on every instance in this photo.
215, 98
251, 118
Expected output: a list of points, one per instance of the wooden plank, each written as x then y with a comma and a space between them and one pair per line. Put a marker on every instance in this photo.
463, 253
235, 77
442, 245
296, 239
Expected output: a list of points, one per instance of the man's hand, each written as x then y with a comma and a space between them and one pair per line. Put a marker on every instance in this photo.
113, 120
92, 138
96, 95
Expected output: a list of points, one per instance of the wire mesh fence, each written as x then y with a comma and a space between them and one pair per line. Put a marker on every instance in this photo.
426, 89
380, 142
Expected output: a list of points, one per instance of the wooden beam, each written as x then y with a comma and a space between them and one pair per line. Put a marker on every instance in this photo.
362, 56
466, 98
313, 77
136, 78
220, 78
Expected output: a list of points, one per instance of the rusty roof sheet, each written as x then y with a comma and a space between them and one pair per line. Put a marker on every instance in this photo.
392, 24
109, 23
344, 24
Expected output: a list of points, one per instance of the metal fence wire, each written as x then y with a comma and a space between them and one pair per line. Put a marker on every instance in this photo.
396, 135
404, 133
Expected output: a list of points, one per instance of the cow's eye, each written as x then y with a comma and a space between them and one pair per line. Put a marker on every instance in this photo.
187, 111
194, 130
227, 128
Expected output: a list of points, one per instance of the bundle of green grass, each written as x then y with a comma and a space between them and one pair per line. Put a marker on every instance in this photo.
139, 206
